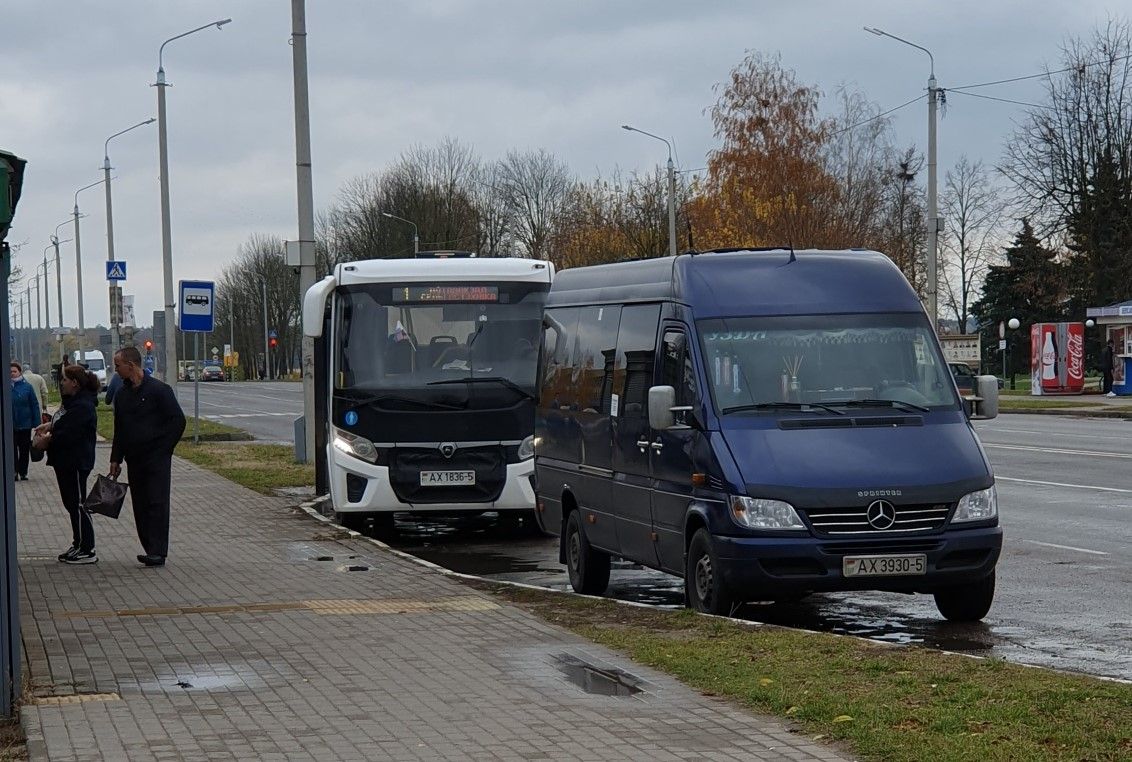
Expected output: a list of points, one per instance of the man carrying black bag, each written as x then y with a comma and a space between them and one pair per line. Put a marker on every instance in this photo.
148, 423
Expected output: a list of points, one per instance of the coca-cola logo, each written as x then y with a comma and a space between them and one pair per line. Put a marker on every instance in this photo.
1076, 355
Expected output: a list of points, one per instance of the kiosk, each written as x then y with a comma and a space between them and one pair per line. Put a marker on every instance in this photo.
1116, 319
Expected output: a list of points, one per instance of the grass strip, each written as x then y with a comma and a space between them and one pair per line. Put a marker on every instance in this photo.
886, 703
264, 468
209, 430
1033, 404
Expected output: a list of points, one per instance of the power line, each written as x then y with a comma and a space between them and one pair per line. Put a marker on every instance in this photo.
1001, 100
1043, 74
882, 114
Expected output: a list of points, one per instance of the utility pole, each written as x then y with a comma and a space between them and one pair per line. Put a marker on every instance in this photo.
933, 212
305, 210
266, 353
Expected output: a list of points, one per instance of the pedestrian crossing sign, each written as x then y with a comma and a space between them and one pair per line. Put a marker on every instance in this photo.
115, 269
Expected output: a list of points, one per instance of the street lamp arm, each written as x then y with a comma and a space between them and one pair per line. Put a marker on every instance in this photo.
630, 128
402, 219
106, 145
882, 33
80, 190
161, 50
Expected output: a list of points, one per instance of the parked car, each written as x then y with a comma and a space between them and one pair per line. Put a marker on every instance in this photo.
212, 373
965, 377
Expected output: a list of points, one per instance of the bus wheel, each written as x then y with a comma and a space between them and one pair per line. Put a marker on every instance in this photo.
966, 603
703, 583
588, 568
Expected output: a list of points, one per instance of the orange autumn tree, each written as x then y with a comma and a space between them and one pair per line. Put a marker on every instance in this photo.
786, 175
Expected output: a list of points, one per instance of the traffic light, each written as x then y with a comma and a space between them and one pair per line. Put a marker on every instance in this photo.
273, 342
148, 346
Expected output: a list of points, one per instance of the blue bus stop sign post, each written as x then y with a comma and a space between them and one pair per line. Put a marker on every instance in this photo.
197, 313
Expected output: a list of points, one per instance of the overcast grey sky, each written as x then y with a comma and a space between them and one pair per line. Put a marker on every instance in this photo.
495, 74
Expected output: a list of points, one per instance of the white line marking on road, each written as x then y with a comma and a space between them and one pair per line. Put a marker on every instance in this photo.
1040, 432
1059, 451
1067, 547
998, 478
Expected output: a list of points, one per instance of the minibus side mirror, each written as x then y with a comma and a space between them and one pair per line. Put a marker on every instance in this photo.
662, 409
983, 405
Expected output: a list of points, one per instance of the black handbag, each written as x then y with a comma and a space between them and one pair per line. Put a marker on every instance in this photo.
106, 496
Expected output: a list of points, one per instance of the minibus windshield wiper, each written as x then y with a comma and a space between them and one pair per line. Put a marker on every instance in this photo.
480, 379
900, 404
375, 398
804, 407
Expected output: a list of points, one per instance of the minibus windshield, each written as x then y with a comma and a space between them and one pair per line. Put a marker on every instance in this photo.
858, 361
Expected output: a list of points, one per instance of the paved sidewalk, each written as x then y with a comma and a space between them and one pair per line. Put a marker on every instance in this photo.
269, 637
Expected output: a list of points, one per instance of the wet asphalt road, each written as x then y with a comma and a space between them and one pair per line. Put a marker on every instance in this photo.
265, 409
1065, 497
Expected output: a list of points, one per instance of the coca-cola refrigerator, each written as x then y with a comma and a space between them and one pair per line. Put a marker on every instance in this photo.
1057, 358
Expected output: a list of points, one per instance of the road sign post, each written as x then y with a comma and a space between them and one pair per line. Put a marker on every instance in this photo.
197, 313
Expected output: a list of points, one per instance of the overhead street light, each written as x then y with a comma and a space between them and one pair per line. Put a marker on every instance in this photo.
109, 232
933, 214
671, 188
166, 233
416, 237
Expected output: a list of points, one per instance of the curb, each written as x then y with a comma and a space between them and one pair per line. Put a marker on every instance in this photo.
1069, 411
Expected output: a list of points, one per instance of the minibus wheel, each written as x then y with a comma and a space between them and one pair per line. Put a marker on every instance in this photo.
703, 583
588, 568
966, 603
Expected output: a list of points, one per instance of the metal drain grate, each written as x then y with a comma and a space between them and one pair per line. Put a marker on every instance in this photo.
74, 698
394, 606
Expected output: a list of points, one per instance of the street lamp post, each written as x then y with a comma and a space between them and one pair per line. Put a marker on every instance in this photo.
46, 290
109, 233
416, 238
933, 213
79, 251
671, 188
166, 233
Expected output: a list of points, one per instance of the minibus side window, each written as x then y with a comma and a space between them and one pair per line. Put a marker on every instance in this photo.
636, 353
592, 366
559, 338
676, 367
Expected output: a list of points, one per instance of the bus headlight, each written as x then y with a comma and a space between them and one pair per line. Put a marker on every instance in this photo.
759, 513
352, 444
977, 506
527, 448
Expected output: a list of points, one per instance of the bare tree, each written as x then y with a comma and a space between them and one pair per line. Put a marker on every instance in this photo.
534, 187
973, 210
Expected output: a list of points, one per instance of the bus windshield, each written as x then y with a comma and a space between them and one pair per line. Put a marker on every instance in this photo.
403, 338
858, 360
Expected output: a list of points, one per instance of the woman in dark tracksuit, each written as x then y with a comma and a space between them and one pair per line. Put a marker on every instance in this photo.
70, 451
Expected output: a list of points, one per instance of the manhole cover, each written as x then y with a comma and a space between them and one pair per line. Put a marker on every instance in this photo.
602, 682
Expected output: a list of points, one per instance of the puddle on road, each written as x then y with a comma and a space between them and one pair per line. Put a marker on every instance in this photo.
601, 682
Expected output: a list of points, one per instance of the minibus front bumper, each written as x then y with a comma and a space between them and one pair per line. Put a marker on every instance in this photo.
761, 568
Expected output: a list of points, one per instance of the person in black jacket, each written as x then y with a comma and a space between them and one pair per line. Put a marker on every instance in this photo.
148, 424
69, 438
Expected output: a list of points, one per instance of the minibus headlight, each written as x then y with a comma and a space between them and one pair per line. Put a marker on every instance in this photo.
352, 444
527, 448
759, 513
977, 506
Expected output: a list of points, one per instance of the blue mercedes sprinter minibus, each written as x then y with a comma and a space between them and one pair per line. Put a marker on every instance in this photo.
765, 424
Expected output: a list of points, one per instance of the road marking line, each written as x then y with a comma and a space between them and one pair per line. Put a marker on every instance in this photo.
1039, 432
1062, 484
1067, 547
1057, 451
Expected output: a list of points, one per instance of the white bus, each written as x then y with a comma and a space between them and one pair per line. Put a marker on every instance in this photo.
431, 393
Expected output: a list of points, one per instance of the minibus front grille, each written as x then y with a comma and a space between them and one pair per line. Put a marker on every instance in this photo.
406, 464
921, 517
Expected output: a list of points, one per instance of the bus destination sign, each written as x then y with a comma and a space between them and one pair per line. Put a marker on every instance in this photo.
405, 294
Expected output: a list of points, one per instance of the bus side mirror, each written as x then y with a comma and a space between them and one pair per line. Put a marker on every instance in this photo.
661, 401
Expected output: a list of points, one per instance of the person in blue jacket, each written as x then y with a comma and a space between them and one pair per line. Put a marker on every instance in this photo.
25, 417
70, 437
